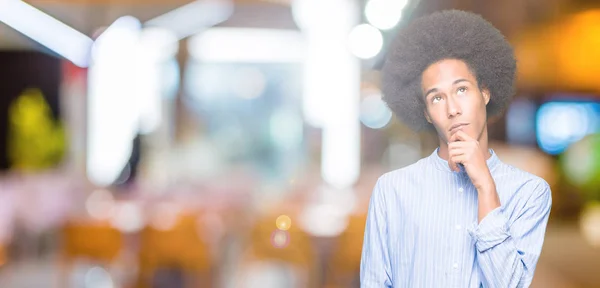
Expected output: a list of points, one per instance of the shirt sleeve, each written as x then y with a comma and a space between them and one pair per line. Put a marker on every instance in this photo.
375, 261
508, 254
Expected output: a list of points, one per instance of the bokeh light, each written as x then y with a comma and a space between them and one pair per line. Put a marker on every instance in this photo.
590, 223
100, 204
128, 217
384, 14
165, 216
283, 222
324, 220
581, 163
365, 41
98, 277
280, 239
560, 124
374, 113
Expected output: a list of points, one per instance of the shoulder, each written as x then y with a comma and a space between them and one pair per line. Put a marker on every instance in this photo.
392, 181
404, 172
525, 184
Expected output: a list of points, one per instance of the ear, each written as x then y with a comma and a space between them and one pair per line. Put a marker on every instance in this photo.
427, 116
486, 95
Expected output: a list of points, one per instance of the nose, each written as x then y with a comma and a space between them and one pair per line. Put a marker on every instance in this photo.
453, 107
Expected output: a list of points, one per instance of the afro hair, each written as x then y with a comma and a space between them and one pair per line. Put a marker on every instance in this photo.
450, 34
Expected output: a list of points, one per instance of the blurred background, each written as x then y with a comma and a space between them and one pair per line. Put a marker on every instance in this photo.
217, 143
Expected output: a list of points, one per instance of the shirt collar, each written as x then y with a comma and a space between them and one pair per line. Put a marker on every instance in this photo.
442, 164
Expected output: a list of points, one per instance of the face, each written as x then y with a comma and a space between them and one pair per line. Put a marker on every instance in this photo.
453, 99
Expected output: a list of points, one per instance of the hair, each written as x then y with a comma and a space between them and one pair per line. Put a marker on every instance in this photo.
450, 34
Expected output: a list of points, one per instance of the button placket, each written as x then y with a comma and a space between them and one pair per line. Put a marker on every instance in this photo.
459, 228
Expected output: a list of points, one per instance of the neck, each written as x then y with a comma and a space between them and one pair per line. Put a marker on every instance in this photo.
483, 145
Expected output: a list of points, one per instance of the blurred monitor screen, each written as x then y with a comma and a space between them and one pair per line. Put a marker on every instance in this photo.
559, 123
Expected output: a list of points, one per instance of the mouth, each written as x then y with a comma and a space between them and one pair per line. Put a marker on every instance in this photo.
457, 126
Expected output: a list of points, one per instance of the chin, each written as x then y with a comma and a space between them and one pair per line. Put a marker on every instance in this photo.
467, 131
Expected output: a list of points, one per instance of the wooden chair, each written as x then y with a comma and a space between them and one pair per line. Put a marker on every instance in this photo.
179, 246
296, 251
343, 265
98, 242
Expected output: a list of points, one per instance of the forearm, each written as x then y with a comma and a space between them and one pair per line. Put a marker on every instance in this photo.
501, 263
508, 251
488, 200
503, 267
507, 255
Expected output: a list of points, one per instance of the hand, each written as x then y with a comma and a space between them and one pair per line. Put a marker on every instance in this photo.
462, 149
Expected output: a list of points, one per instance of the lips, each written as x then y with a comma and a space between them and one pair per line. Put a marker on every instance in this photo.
457, 126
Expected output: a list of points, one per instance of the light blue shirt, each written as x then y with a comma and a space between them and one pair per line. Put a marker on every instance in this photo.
422, 228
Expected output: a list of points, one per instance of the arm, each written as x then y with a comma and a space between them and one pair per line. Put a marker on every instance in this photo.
508, 253
375, 262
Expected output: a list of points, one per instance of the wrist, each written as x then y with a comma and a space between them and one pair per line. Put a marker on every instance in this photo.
487, 187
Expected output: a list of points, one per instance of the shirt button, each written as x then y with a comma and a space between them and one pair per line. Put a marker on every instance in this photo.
461, 189
458, 227
455, 266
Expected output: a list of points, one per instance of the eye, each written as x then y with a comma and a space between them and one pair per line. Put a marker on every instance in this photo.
436, 99
462, 89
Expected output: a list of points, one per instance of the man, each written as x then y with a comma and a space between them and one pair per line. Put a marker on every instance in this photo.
459, 217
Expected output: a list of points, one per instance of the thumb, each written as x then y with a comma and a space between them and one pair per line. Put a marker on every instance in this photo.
453, 165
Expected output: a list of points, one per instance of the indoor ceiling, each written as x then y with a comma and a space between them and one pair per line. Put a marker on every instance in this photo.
87, 16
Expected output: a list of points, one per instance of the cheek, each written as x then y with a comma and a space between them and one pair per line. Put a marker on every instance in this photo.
438, 119
475, 104
436, 113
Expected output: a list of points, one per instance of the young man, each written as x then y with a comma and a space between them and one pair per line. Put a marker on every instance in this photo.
459, 217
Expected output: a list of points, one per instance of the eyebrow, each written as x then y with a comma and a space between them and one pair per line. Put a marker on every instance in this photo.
460, 80
433, 90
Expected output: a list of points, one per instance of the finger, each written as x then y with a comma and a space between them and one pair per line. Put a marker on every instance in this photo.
453, 166
452, 163
456, 152
456, 160
460, 135
455, 137
455, 157
454, 149
458, 145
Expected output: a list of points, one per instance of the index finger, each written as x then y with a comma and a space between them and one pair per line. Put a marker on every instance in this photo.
460, 135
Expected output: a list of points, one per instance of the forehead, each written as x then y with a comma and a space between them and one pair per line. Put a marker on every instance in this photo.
445, 72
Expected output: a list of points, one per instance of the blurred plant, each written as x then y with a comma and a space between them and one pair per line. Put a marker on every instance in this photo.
36, 141
580, 164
